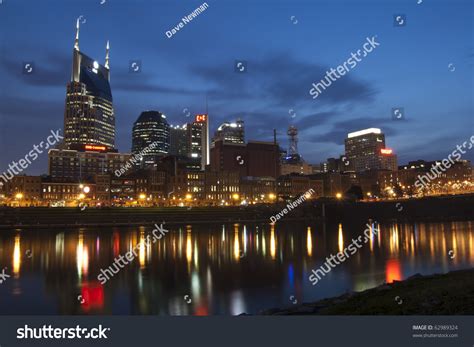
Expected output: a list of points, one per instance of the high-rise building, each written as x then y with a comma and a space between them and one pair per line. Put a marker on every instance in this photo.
198, 139
388, 159
89, 114
230, 132
150, 138
365, 150
179, 140
88, 148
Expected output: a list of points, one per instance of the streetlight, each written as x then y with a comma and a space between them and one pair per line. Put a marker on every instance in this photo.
142, 196
19, 196
235, 196
271, 196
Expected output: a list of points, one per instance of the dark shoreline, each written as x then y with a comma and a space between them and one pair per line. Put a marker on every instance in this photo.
430, 209
439, 294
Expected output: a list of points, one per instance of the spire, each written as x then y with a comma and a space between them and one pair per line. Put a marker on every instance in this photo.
107, 55
76, 43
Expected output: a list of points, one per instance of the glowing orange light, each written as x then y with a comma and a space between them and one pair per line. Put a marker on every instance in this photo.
95, 148
201, 118
386, 151
393, 271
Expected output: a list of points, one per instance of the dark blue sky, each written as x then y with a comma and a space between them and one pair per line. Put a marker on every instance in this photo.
409, 69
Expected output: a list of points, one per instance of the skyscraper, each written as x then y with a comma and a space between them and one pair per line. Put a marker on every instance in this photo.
198, 139
230, 132
88, 148
179, 140
365, 150
89, 114
150, 137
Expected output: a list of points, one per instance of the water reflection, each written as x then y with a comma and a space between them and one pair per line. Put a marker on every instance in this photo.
221, 269
16, 257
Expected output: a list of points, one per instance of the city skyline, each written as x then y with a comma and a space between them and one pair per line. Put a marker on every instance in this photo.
350, 104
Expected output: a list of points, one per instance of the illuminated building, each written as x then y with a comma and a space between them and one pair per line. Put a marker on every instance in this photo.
198, 139
295, 164
179, 140
336, 182
82, 165
88, 148
258, 189
365, 150
89, 115
294, 185
221, 186
29, 188
150, 138
183, 177
388, 160
230, 132
60, 193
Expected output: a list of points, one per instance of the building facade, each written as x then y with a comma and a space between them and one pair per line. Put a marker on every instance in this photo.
230, 132
84, 165
89, 114
198, 139
365, 150
179, 140
150, 138
256, 159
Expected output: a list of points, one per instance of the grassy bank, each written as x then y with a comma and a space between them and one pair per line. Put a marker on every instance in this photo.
448, 294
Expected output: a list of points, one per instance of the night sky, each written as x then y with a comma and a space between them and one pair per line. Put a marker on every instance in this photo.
410, 69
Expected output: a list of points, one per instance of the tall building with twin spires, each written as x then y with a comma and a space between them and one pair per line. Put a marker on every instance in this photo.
89, 118
88, 148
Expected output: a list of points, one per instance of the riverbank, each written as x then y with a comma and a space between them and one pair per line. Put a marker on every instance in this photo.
446, 294
430, 209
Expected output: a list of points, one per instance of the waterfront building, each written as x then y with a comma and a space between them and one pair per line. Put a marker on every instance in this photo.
294, 185
84, 165
67, 193
222, 187
26, 190
257, 190
366, 150
256, 159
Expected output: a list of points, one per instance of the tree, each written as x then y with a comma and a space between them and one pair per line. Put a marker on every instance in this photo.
355, 192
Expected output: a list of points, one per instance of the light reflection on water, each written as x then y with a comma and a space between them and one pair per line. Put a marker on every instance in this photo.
215, 269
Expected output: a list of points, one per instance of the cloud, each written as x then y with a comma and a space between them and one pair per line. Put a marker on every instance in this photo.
281, 80
341, 128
